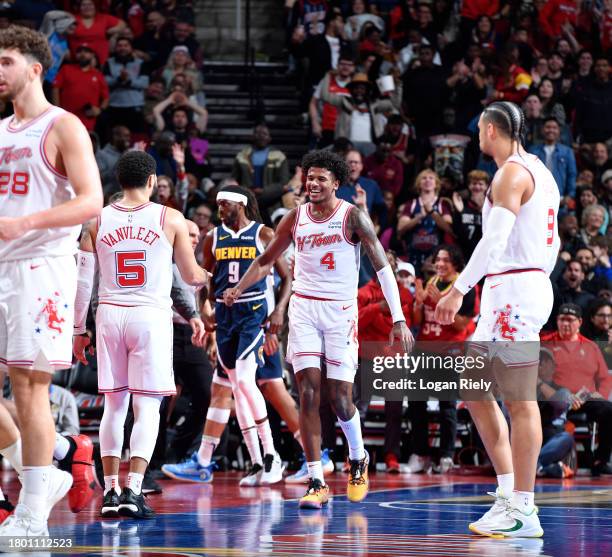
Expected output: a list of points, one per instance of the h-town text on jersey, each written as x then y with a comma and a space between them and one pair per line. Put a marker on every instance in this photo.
316, 240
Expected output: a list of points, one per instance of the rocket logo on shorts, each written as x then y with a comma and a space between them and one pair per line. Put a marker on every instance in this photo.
50, 314
503, 324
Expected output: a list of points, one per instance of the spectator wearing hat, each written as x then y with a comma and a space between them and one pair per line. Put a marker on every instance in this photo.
127, 81
581, 369
323, 114
96, 30
358, 117
81, 88
406, 275
560, 160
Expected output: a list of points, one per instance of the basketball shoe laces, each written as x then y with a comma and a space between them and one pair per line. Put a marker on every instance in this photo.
357, 468
314, 487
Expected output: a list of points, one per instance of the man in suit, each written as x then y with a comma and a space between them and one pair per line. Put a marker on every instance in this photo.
560, 160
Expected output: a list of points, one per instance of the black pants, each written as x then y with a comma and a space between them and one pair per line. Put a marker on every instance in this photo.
193, 371
393, 427
419, 417
600, 411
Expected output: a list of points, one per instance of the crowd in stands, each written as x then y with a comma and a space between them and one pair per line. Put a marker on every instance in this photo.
396, 87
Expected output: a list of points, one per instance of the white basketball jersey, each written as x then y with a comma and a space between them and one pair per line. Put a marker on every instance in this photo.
534, 240
29, 184
134, 256
326, 261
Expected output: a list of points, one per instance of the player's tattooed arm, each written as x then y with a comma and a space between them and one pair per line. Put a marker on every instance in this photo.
277, 317
261, 265
360, 227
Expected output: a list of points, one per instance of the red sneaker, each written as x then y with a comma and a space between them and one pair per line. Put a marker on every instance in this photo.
79, 462
392, 464
6, 509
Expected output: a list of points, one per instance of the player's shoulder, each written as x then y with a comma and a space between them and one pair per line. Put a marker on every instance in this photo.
173, 216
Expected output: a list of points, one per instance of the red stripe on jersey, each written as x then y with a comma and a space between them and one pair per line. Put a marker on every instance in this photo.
117, 390
163, 216
43, 152
309, 214
295, 223
314, 298
346, 215
129, 209
308, 354
141, 392
26, 126
514, 271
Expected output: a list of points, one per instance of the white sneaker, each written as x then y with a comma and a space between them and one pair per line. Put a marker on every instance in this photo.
494, 514
24, 522
252, 477
60, 483
513, 524
273, 469
446, 465
418, 464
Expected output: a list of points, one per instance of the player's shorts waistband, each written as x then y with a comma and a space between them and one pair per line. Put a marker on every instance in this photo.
515, 271
258, 296
307, 297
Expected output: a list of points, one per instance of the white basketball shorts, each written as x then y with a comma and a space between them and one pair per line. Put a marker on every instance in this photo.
513, 309
134, 347
37, 313
323, 330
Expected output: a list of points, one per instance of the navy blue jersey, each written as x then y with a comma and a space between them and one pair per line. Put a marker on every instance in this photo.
234, 252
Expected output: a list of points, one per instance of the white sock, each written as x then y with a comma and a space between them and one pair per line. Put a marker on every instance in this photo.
265, 434
36, 487
252, 442
315, 471
523, 501
506, 484
134, 482
352, 432
2, 497
12, 453
207, 448
111, 482
62, 446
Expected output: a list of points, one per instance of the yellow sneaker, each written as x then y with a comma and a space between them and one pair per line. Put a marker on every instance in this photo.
358, 483
316, 496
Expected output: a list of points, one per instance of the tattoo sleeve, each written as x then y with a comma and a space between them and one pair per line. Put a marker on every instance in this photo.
360, 225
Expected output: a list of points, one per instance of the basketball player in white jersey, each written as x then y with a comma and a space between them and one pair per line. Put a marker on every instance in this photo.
323, 310
134, 241
49, 185
516, 254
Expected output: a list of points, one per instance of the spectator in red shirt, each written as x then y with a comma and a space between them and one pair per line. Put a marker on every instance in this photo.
81, 89
580, 368
513, 82
384, 168
375, 324
556, 14
95, 29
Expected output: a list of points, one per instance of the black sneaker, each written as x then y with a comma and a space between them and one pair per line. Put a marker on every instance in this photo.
110, 505
601, 468
149, 485
253, 477
134, 506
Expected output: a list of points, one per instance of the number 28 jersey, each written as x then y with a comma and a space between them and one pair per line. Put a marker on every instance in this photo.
28, 184
134, 256
326, 261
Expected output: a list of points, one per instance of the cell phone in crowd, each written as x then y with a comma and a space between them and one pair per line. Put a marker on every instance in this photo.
583, 395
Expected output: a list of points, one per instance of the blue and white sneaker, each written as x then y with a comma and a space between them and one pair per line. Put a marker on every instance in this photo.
301, 476
190, 470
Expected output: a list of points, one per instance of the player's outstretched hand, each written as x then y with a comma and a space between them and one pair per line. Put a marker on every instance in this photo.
80, 343
447, 307
230, 296
198, 330
270, 344
402, 334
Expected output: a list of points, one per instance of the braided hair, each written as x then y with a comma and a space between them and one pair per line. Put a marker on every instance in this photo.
508, 118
